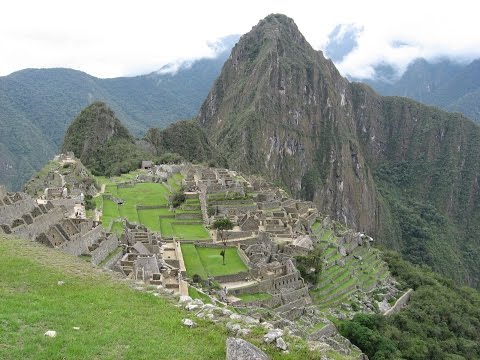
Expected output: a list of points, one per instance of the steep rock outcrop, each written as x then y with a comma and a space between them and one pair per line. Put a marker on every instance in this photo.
281, 109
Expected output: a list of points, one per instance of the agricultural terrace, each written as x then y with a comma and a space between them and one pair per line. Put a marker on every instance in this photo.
148, 204
207, 262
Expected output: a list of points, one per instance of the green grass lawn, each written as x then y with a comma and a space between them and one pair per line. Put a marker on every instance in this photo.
192, 260
115, 321
212, 261
151, 194
195, 294
208, 261
193, 231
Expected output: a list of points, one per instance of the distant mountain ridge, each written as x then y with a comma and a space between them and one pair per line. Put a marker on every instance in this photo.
36, 106
447, 84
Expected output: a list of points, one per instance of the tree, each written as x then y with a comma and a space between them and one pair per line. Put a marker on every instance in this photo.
221, 225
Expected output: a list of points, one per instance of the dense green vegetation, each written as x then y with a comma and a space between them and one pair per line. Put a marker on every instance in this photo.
441, 321
102, 143
183, 140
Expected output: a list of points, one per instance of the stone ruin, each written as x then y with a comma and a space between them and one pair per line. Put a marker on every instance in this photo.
50, 225
149, 259
270, 229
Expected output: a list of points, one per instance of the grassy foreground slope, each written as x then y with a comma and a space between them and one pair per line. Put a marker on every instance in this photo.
115, 321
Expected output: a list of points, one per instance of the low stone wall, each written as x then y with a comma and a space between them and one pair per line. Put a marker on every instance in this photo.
269, 205
230, 235
231, 202
104, 249
327, 331
300, 303
294, 295
150, 207
233, 277
8, 213
243, 256
226, 209
272, 302
188, 216
400, 303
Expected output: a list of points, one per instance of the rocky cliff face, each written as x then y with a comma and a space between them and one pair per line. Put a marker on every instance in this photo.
392, 167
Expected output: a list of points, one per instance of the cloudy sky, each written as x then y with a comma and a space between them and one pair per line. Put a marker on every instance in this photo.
122, 38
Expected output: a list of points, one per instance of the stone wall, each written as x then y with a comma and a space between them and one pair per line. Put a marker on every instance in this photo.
104, 249
113, 261
400, 303
79, 243
41, 224
188, 216
8, 213
242, 276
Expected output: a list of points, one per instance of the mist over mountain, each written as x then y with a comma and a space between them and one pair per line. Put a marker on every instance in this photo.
445, 83
37, 105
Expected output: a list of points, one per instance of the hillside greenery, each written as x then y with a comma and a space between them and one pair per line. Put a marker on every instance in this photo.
183, 139
102, 143
37, 106
441, 321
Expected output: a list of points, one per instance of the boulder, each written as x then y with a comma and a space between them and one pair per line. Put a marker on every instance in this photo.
281, 344
51, 333
239, 349
272, 335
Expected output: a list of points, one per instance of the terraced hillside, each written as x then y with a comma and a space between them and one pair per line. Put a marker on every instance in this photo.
148, 204
346, 270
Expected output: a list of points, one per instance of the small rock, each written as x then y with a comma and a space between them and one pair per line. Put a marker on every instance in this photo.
60, 283
272, 335
189, 323
281, 344
197, 302
76, 328
191, 307
184, 299
239, 349
233, 328
227, 312
51, 333
250, 320
236, 317
267, 325
243, 332
209, 307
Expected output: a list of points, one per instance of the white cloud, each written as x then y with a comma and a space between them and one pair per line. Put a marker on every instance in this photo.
113, 38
